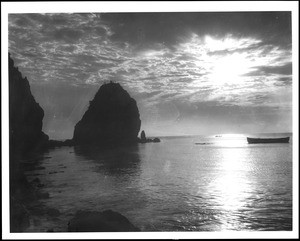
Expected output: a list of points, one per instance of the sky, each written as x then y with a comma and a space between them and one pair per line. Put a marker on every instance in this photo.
192, 73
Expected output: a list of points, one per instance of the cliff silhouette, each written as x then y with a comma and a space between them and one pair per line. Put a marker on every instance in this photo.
112, 118
25, 137
25, 115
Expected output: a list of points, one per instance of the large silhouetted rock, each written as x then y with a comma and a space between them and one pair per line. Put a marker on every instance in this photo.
25, 115
112, 118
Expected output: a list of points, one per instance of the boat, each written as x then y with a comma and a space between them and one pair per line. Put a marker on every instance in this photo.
202, 143
268, 140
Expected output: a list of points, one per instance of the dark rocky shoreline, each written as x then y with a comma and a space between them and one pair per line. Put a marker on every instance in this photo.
112, 120
27, 208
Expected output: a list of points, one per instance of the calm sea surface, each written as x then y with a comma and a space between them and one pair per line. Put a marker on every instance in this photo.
223, 183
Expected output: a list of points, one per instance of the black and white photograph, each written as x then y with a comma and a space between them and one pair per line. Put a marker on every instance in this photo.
150, 119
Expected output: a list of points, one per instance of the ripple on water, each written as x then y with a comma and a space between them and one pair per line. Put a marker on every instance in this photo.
173, 186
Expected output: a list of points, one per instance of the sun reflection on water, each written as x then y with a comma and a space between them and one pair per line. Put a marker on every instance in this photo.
231, 187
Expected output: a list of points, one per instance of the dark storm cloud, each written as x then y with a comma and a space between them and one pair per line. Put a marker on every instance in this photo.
144, 28
141, 28
283, 70
271, 70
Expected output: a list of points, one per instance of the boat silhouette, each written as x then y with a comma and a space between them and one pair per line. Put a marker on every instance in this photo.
268, 140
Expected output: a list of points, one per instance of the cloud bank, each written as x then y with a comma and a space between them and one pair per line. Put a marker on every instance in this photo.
217, 70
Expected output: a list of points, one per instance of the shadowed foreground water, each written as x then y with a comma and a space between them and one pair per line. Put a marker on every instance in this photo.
174, 185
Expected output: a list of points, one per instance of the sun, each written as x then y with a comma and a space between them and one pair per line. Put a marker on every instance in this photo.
228, 69
222, 61
227, 66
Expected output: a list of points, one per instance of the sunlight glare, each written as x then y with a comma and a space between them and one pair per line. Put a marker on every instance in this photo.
219, 58
229, 69
213, 44
231, 185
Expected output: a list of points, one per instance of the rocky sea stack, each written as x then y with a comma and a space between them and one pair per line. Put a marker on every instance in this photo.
112, 118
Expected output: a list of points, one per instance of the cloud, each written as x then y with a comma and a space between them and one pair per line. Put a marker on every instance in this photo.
218, 59
282, 70
284, 81
67, 34
283, 73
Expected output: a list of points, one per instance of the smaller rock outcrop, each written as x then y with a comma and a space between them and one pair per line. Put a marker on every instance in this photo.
143, 138
156, 139
106, 221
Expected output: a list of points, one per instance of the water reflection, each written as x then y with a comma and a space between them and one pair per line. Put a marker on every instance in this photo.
113, 161
231, 189
174, 185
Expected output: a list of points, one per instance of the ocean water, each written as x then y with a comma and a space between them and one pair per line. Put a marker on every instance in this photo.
221, 184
